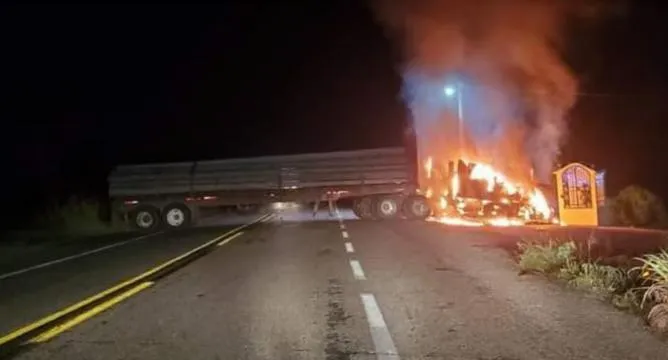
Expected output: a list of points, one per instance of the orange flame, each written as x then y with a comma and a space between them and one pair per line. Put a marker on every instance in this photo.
428, 165
451, 220
537, 204
492, 177
504, 221
443, 203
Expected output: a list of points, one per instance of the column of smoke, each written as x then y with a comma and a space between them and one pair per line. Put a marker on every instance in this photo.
506, 46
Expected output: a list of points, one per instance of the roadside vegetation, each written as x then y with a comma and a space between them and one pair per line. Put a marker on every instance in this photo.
636, 206
638, 285
631, 276
67, 221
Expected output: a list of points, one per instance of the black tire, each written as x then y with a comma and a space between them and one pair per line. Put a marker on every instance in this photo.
416, 208
387, 207
176, 216
356, 208
364, 208
145, 218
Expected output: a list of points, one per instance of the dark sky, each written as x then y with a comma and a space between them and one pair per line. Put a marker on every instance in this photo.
87, 87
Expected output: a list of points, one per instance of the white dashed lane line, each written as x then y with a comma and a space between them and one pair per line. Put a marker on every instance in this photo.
73, 257
358, 273
382, 340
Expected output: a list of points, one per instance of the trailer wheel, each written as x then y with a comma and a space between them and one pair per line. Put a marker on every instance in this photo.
145, 217
176, 216
363, 208
386, 207
416, 208
356, 208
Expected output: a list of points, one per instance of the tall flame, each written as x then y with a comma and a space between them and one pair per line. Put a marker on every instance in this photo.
455, 184
536, 205
428, 165
539, 203
492, 177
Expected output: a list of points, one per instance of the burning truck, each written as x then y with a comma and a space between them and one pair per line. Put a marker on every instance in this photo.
468, 193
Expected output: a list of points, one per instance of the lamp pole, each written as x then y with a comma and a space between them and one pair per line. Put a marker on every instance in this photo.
456, 90
460, 116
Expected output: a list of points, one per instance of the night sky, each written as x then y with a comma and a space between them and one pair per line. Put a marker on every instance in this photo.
88, 87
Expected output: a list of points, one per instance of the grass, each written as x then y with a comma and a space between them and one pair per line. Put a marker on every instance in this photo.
559, 259
600, 279
642, 289
654, 272
544, 258
69, 221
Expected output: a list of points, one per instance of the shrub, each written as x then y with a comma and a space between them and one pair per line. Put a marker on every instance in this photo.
76, 218
637, 206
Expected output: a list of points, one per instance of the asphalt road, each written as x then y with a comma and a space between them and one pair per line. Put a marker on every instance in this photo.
298, 289
59, 275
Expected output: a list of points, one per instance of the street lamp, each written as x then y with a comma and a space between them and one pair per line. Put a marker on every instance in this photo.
451, 91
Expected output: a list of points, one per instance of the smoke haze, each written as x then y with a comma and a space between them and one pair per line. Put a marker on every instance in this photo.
516, 88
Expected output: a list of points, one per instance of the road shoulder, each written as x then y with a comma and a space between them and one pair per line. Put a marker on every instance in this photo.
450, 296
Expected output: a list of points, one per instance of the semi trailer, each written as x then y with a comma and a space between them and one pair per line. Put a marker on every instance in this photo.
382, 184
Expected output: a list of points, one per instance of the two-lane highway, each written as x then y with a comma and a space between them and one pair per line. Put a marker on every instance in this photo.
51, 282
279, 291
344, 289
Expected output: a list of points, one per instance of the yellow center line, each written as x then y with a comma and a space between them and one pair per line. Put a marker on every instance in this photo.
51, 333
230, 238
49, 318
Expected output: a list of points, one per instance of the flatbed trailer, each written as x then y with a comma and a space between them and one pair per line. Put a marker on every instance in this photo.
381, 182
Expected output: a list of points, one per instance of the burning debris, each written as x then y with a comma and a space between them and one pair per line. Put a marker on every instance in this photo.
469, 193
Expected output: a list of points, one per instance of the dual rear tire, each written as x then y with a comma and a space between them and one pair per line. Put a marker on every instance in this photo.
391, 207
150, 218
